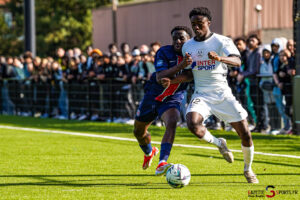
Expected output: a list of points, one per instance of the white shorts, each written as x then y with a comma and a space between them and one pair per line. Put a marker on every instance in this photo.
222, 104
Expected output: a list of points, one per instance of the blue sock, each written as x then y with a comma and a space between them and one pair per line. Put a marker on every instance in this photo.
165, 149
147, 149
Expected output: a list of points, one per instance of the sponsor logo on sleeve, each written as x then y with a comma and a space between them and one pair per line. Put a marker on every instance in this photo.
159, 63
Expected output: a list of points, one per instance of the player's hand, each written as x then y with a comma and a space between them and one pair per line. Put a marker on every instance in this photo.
214, 56
165, 82
187, 60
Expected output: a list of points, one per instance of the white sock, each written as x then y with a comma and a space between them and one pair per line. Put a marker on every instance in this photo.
248, 157
208, 137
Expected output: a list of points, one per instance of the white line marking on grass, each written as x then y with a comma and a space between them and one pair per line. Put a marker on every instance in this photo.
133, 140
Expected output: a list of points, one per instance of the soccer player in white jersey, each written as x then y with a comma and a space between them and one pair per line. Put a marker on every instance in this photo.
212, 54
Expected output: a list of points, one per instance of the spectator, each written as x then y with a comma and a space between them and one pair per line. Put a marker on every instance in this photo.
10, 72
282, 80
155, 46
73, 77
16, 88
62, 58
37, 62
95, 73
128, 89
70, 53
89, 50
276, 46
252, 69
243, 87
144, 49
266, 82
148, 66
125, 48
60, 81
77, 52
7, 73
2, 68
118, 97
137, 70
113, 48
137, 76
291, 47
152, 56
292, 73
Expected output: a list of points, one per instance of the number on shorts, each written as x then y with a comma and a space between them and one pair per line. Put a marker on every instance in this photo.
196, 101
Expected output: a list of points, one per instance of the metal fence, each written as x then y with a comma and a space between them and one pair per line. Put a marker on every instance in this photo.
107, 100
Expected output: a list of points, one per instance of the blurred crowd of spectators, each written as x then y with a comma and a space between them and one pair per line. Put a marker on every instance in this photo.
60, 86
264, 79
57, 86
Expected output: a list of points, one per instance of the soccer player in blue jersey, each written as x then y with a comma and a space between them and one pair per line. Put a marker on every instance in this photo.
163, 102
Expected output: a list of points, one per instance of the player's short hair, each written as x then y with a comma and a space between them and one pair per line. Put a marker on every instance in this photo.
183, 28
254, 36
201, 11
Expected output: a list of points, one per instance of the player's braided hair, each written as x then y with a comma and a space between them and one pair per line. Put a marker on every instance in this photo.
201, 11
184, 28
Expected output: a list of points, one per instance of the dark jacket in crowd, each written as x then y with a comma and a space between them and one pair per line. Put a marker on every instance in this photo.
252, 66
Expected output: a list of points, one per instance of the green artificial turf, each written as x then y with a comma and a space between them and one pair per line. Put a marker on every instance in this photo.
39, 165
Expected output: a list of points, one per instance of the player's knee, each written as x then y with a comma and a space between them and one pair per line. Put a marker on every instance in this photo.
171, 123
138, 133
193, 125
246, 136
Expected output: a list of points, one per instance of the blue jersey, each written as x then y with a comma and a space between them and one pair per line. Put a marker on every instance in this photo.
165, 58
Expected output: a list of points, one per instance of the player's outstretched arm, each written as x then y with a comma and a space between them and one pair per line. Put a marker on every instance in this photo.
186, 76
169, 73
230, 60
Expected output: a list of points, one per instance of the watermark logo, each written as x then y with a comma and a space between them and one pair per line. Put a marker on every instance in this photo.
270, 192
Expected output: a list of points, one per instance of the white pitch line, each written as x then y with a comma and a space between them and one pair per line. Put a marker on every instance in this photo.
133, 140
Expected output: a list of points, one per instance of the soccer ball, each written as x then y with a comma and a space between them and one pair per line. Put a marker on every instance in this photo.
178, 176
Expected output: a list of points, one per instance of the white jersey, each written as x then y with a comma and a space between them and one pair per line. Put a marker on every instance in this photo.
209, 75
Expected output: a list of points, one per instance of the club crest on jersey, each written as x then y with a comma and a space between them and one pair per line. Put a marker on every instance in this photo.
227, 42
204, 65
138, 113
200, 53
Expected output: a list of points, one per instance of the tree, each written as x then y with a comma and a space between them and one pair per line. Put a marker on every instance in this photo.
59, 23
11, 37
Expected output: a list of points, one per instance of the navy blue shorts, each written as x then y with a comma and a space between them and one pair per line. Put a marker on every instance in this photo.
149, 109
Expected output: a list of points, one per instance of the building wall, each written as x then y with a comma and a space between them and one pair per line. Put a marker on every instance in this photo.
269, 34
144, 23
148, 22
240, 17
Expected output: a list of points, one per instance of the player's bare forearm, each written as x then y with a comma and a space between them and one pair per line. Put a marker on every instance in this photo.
230, 60
186, 76
169, 73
